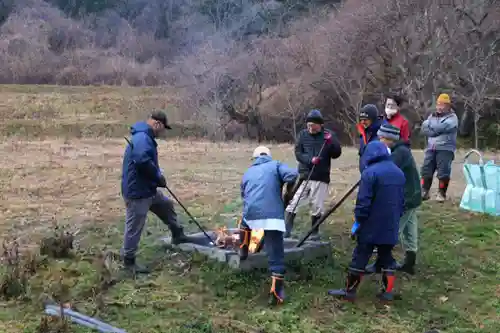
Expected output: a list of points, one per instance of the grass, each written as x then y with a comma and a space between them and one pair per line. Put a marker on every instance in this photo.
74, 181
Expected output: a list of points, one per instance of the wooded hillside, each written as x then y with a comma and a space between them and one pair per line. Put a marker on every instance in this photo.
253, 68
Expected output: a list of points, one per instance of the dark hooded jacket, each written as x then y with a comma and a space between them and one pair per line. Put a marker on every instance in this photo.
309, 145
369, 134
140, 170
402, 157
380, 200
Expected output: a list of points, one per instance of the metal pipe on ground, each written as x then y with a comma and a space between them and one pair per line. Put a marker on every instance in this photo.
82, 319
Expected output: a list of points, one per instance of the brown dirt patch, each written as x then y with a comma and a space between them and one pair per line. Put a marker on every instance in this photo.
78, 181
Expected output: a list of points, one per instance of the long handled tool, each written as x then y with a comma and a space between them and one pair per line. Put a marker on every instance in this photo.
180, 204
308, 179
190, 216
327, 214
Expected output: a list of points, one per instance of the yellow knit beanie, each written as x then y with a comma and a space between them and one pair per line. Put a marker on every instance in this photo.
444, 99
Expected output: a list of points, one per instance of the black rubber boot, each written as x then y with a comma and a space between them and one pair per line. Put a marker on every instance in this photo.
315, 233
426, 187
131, 266
245, 234
372, 269
443, 188
179, 237
388, 278
408, 265
277, 291
289, 219
352, 284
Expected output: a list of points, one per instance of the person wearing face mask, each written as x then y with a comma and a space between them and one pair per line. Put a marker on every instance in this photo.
441, 129
311, 162
369, 124
395, 118
141, 176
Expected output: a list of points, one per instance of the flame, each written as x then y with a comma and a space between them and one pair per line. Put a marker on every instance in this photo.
224, 238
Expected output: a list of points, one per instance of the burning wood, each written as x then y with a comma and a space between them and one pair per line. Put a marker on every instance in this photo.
225, 239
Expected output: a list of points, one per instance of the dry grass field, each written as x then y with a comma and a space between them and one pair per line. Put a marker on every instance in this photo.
60, 164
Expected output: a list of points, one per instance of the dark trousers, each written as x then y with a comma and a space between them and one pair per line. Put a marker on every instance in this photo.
274, 247
437, 160
363, 252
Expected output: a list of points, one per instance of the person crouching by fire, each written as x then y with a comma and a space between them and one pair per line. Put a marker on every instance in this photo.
263, 208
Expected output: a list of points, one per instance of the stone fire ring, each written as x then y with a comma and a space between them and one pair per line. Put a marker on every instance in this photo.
309, 251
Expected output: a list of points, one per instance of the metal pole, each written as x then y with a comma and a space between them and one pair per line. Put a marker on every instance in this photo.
328, 213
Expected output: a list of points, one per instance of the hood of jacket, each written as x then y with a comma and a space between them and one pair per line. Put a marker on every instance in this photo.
262, 159
375, 152
142, 126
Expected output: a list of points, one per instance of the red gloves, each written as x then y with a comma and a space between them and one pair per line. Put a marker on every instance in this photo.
328, 138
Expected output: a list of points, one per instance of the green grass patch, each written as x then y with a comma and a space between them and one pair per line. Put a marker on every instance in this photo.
456, 289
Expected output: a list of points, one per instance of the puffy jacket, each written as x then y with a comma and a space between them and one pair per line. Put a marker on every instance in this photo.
402, 157
367, 135
380, 200
140, 170
399, 121
261, 189
308, 145
441, 131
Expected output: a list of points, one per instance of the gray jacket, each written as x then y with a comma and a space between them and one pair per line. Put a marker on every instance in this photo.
441, 131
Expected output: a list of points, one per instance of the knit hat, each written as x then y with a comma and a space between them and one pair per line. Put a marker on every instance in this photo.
369, 111
315, 116
444, 99
389, 131
261, 150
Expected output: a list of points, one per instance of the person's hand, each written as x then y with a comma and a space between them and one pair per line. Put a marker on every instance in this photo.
328, 138
315, 160
354, 230
162, 182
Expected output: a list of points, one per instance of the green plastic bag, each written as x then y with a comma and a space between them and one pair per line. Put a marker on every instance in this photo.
482, 193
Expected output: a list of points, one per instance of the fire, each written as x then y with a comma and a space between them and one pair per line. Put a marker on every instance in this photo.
225, 239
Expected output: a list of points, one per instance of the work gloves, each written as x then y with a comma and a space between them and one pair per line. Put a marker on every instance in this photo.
328, 140
354, 230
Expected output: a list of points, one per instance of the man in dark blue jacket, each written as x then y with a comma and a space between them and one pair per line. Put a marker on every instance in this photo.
314, 150
141, 176
379, 206
369, 124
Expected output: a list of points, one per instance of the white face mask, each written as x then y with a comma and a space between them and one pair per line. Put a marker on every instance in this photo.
391, 108
390, 112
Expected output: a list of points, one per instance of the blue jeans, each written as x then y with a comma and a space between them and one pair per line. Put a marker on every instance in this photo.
274, 247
